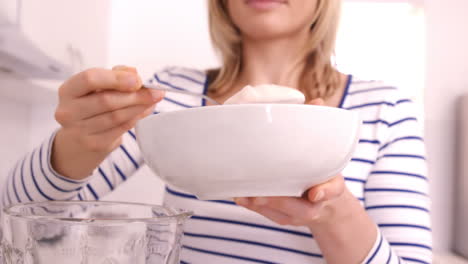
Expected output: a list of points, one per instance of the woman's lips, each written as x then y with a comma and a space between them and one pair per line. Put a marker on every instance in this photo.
265, 4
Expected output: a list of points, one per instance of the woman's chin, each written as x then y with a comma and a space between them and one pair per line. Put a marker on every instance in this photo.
267, 33
265, 28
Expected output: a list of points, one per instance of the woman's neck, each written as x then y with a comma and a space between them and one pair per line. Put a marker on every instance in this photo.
279, 62
272, 61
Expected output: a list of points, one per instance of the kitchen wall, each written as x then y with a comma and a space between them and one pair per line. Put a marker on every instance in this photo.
24, 126
15, 127
447, 78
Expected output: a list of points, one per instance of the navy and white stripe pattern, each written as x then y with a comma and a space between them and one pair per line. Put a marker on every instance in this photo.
34, 179
387, 174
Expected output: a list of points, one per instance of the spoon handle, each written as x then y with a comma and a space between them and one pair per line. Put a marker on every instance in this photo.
172, 90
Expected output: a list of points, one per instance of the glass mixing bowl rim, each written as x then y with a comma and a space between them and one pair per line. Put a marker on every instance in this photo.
179, 214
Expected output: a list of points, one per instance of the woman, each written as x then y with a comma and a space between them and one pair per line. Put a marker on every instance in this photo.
375, 211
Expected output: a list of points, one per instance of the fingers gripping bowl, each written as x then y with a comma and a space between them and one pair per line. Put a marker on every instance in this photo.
249, 150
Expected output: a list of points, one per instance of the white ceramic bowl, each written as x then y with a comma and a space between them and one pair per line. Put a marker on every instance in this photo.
220, 152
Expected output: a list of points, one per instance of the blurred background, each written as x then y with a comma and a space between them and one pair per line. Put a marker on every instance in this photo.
418, 45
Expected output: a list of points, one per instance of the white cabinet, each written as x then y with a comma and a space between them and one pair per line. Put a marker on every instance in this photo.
75, 33
65, 29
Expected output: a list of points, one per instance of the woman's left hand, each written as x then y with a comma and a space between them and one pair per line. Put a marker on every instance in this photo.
312, 208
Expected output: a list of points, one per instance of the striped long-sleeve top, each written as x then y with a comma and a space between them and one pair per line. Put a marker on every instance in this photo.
387, 174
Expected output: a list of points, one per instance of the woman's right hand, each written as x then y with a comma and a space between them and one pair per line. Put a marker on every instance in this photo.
96, 107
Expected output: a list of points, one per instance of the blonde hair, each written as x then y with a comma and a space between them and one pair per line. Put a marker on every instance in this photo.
319, 77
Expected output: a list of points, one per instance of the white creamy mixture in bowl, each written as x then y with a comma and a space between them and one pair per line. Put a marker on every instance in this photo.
267, 93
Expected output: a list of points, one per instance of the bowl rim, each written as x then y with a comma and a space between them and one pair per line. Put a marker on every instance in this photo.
260, 106
176, 215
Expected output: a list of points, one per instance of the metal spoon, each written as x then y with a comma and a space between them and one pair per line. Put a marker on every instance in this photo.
172, 90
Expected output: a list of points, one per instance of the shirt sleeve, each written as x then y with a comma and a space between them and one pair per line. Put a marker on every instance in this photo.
34, 179
397, 190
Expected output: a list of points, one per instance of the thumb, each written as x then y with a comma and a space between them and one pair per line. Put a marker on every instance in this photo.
124, 68
328, 190
316, 101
